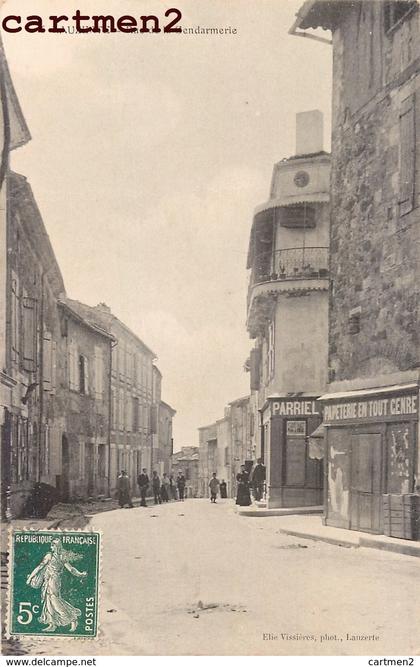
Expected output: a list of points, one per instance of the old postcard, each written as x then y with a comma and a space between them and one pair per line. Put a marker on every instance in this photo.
209, 328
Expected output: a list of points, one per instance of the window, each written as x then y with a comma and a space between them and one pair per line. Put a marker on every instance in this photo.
15, 324
73, 371
113, 409
83, 374
135, 414
407, 155
354, 321
99, 373
271, 350
396, 12
29, 334
298, 216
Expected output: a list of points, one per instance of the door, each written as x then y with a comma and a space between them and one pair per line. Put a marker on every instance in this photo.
65, 470
366, 482
89, 468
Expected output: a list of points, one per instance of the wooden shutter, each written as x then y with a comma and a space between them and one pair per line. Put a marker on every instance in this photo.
255, 369
99, 369
407, 155
53, 366
73, 367
47, 361
153, 418
86, 370
15, 303
29, 334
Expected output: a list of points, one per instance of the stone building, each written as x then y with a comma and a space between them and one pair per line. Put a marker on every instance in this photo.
226, 445
133, 412
13, 133
371, 408
82, 406
166, 442
187, 460
31, 336
288, 317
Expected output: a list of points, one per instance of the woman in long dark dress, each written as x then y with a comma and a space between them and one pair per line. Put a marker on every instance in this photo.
243, 496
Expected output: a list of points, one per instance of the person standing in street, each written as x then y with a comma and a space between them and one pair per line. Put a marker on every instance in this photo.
165, 488
143, 482
123, 489
180, 482
156, 487
258, 479
214, 488
223, 489
243, 496
174, 495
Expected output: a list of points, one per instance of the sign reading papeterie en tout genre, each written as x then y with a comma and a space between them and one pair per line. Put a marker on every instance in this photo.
372, 408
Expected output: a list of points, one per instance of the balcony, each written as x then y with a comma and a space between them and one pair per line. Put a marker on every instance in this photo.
288, 270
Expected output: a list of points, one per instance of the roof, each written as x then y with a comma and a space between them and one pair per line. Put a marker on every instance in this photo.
66, 305
168, 407
21, 199
105, 319
370, 392
319, 14
19, 132
237, 401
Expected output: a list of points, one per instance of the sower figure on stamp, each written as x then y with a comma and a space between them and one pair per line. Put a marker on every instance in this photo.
143, 482
55, 611
124, 491
180, 482
258, 479
156, 487
214, 488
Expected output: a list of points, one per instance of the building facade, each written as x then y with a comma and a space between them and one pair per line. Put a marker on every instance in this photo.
226, 445
287, 316
371, 407
82, 407
187, 460
32, 334
165, 438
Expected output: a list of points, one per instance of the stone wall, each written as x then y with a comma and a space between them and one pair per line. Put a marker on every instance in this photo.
375, 249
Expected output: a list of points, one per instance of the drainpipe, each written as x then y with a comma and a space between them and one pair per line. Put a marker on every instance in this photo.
112, 344
41, 377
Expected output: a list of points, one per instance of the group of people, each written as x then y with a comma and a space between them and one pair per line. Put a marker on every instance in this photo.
164, 489
245, 481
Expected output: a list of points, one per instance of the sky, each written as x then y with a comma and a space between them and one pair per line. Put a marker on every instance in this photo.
149, 153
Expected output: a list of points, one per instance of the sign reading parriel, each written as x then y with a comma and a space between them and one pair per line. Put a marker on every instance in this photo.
395, 406
296, 408
54, 579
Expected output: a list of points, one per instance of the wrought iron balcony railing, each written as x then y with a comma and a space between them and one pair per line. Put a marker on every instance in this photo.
291, 263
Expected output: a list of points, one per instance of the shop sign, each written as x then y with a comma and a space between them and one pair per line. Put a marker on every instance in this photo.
372, 408
301, 408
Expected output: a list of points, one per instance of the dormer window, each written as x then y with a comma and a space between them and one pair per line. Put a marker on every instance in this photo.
396, 12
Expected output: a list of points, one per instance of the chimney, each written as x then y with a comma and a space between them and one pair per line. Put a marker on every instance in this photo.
309, 132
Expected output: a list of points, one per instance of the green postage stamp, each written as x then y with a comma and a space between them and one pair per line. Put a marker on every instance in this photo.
53, 583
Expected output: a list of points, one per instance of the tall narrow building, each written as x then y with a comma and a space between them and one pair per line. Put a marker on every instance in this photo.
371, 408
287, 316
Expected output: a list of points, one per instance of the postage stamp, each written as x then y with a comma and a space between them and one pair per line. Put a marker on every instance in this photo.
54, 583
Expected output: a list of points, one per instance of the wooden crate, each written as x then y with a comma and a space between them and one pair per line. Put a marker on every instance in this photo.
401, 515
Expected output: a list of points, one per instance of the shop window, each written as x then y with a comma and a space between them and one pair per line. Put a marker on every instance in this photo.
396, 12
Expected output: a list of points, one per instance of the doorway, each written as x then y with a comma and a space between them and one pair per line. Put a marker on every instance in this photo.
65, 470
366, 482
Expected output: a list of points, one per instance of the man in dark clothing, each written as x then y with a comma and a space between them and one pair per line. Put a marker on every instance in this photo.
258, 479
124, 491
156, 487
143, 482
180, 482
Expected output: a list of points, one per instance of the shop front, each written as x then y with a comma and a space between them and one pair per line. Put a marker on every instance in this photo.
294, 478
371, 460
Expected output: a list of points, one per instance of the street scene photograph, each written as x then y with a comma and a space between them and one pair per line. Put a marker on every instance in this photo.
210, 329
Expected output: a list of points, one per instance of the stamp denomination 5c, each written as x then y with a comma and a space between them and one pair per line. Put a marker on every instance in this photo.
53, 583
